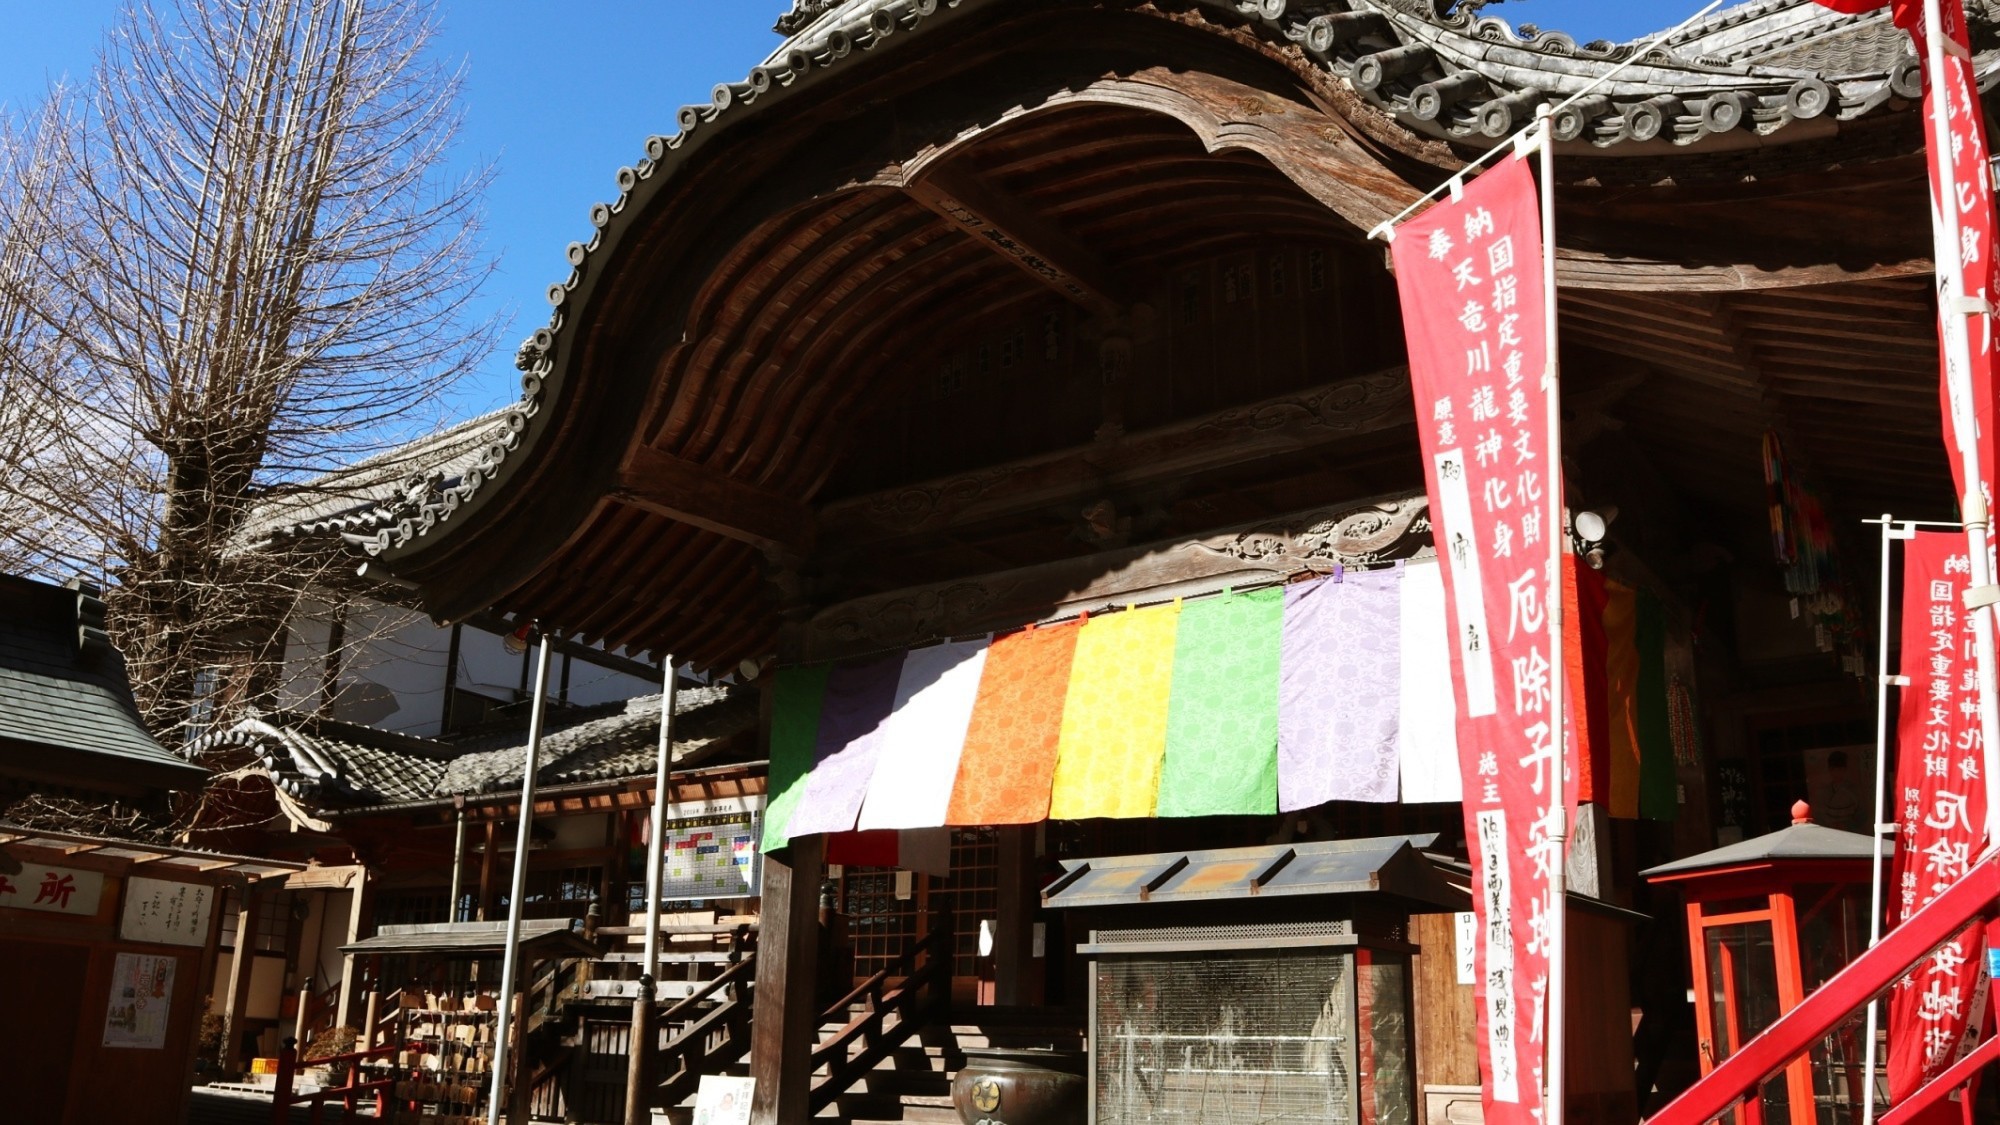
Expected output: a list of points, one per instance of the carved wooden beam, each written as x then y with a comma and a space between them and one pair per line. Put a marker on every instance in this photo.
1301, 420
1031, 243
694, 494
1363, 532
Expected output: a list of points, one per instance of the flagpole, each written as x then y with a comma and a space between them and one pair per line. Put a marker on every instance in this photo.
510, 955
1557, 1034
1891, 531
638, 1074
1953, 303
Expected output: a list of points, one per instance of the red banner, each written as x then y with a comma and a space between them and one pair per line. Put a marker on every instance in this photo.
1469, 272
1940, 817
1974, 206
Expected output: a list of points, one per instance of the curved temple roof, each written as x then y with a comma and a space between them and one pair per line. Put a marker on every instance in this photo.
1757, 75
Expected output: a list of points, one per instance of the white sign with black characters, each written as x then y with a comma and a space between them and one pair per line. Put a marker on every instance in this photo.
166, 913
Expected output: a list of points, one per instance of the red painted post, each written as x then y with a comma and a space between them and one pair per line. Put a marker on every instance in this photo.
1868, 975
1954, 1076
281, 1087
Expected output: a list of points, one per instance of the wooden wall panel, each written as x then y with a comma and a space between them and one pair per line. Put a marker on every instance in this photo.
1447, 1027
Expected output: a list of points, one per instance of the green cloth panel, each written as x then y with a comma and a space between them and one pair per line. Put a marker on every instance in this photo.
1222, 717
798, 695
1658, 790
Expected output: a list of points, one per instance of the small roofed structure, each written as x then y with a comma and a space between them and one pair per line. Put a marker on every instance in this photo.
1389, 865
1769, 920
1295, 1002
69, 725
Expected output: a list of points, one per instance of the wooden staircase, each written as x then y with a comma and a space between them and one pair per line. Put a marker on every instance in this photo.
912, 1082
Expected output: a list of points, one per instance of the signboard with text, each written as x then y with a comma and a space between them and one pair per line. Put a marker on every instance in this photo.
167, 913
59, 890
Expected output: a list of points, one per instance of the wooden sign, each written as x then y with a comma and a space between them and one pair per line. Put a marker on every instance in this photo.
167, 913
60, 890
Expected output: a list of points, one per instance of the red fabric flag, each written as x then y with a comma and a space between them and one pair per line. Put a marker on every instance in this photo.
1584, 654
1469, 275
1940, 816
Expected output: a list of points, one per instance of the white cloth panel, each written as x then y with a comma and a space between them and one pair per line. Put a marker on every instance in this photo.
1428, 728
923, 736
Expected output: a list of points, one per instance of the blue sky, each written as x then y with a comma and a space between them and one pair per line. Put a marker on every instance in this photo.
561, 93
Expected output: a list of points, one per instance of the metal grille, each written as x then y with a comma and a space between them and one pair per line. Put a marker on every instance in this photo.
1203, 937
1224, 1040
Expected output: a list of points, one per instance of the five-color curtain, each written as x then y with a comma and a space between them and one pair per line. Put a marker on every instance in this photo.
1243, 703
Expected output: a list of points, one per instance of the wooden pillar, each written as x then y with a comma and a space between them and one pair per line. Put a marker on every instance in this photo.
361, 894
486, 868
785, 1021
240, 962
1017, 979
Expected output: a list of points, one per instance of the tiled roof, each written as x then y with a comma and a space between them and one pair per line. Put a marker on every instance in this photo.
334, 766
1728, 85
66, 691
379, 491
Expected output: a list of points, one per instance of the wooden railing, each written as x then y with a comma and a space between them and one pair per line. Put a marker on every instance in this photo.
921, 992
283, 1098
713, 1040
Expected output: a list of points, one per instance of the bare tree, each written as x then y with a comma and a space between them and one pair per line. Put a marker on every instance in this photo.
232, 261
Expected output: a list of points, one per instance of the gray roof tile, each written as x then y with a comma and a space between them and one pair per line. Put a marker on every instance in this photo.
53, 695
338, 766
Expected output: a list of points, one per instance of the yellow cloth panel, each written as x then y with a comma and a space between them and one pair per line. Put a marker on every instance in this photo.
1114, 726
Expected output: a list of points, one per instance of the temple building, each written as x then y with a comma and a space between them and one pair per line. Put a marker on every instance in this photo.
961, 337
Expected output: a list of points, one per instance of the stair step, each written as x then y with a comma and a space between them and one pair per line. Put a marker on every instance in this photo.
667, 956
858, 1108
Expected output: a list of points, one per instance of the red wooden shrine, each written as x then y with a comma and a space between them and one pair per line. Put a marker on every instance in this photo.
1769, 920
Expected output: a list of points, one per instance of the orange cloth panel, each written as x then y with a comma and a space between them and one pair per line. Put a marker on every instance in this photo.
1008, 766
1621, 689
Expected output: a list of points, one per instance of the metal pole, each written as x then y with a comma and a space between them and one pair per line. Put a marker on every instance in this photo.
1890, 532
1953, 303
644, 1034
662, 796
505, 1008
1558, 991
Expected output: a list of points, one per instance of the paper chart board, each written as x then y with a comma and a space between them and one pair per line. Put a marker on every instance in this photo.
711, 857
142, 993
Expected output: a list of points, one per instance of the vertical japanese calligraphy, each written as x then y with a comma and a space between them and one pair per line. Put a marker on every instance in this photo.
1940, 814
1469, 274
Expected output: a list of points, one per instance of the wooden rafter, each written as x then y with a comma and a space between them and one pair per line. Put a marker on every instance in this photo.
703, 497
1301, 420
1026, 241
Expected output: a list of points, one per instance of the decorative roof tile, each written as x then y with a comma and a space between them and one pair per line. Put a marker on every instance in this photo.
338, 766
1733, 81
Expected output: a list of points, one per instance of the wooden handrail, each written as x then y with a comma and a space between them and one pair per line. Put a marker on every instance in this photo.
732, 973
282, 1097
680, 930
903, 965
928, 984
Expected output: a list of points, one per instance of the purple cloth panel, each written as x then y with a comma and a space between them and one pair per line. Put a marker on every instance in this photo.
859, 697
1339, 690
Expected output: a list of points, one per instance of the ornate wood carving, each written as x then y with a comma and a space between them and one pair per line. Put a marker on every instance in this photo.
1365, 532
1364, 404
